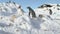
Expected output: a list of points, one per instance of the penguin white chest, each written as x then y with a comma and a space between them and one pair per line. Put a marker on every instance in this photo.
19, 12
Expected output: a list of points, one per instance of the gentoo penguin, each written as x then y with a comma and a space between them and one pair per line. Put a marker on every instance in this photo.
45, 5
41, 16
13, 2
20, 11
9, 1
50, 11
31, 12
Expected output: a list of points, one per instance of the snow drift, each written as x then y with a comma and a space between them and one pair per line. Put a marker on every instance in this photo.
13, 20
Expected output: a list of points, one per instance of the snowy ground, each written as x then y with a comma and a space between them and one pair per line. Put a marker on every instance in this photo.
11, 22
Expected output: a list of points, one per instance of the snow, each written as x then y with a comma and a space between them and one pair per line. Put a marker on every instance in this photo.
15, 21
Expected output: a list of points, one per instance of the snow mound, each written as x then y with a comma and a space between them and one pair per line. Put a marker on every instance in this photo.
14, 21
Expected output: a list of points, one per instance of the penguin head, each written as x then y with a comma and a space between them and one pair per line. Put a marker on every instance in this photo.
29, 7
19, 6
41, 16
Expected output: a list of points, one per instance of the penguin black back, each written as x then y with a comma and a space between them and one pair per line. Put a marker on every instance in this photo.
31, 11
50, 11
